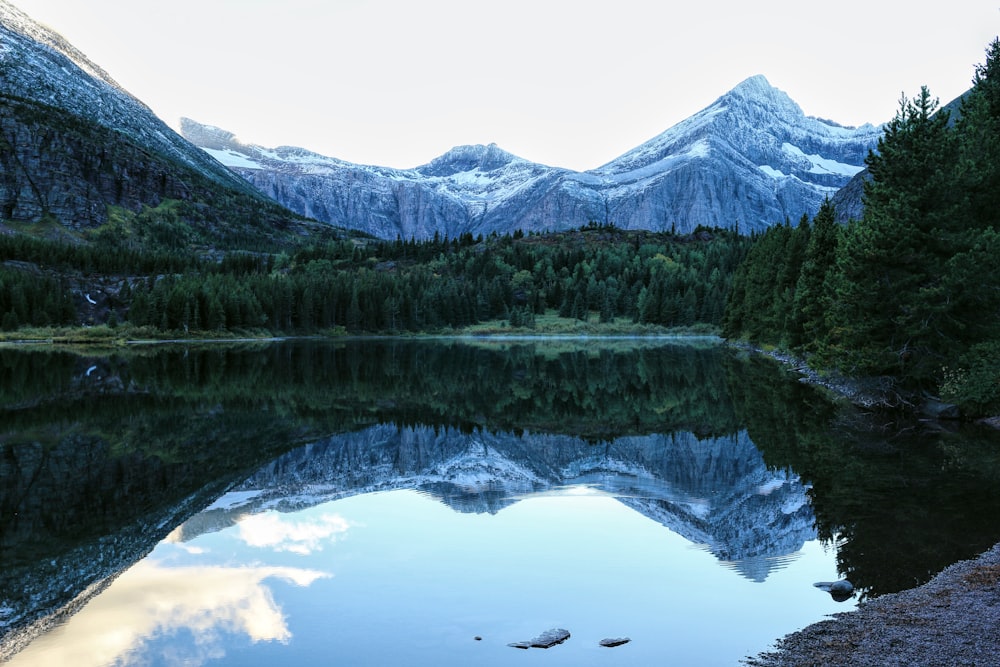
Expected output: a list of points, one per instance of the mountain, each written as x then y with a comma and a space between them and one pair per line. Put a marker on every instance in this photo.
477, 189
749, 160
75, 143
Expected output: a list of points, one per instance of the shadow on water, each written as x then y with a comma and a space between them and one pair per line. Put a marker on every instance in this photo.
102, 456
901, 501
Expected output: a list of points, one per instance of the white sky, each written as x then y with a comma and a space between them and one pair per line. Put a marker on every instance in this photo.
568, 83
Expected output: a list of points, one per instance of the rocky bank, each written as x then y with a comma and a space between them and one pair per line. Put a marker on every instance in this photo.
954, 619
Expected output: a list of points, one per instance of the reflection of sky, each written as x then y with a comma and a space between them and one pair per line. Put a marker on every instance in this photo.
417, 581
153, 600
271, 530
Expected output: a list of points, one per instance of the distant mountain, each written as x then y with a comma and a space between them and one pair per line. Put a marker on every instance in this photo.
73, 143
749, 160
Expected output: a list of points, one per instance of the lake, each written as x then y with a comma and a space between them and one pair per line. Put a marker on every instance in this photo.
431, 502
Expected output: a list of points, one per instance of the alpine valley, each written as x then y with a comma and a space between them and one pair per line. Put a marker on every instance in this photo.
77, 147
750, 160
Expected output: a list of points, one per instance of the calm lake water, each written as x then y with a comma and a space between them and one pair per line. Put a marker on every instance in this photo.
432, 502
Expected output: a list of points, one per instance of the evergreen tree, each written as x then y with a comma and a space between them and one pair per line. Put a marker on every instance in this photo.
978, 128
887, 315
812, 300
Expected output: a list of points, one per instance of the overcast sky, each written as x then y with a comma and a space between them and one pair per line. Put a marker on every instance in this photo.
566, 83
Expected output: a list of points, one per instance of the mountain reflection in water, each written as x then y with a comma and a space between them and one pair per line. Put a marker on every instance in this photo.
715, 492
334, 485
398, 544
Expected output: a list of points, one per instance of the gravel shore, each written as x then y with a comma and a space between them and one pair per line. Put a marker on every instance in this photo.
954, 619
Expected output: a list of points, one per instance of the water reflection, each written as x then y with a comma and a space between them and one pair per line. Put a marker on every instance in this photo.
414, 581
198, 609
104, 456
270, 530
715, 492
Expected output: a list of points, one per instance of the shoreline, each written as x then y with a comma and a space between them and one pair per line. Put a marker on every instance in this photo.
953, 619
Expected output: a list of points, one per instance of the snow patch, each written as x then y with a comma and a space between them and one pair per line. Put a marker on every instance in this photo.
232, 500
698, 149
232, 159
768, 488
794, 503
820, 164
776, 174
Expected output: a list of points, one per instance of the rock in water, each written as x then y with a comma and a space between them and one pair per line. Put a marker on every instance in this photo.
618, 641
547, 639
838, 590
550, 638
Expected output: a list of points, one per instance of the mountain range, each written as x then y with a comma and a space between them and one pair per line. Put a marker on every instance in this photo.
76, 145
749, 160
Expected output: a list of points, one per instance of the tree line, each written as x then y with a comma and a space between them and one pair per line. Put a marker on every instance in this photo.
597, 273
911, 291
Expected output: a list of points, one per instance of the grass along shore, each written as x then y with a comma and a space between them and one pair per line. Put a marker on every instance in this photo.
548, 324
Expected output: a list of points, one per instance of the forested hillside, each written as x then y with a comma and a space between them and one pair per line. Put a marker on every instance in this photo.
598, 273
911, 291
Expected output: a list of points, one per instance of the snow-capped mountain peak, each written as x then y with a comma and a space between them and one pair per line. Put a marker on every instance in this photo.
749, 160
758, 90
468, 158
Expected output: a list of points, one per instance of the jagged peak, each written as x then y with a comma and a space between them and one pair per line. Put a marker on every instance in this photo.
207, 136
468, 158
758, 89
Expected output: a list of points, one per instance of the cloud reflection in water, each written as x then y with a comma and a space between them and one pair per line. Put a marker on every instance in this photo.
271, 530
150, 601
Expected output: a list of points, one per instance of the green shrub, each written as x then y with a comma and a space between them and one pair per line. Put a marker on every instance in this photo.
975, 385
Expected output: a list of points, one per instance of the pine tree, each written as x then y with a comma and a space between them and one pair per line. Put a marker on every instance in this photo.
886, 316
978, 128
812, 300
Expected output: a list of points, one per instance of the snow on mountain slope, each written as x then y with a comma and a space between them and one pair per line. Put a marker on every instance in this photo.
750, 160
452, 194
38, 64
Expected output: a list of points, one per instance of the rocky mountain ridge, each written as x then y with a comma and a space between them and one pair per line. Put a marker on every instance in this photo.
74, 145
750, 160
38, 64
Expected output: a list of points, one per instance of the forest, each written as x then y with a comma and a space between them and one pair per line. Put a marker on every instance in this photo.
597, 273
911, 291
